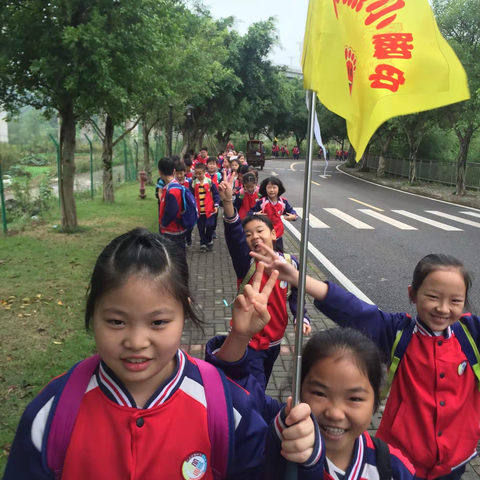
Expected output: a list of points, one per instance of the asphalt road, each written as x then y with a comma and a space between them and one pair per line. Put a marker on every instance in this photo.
379, 260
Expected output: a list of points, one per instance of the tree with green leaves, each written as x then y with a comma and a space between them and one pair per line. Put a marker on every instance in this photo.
459, 22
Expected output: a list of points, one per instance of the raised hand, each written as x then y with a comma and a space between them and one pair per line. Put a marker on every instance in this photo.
250, 314
299, 436
225, 189
272, 261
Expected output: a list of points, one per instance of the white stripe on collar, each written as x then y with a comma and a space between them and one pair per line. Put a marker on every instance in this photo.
167, 390
357, 467
425, 331
114, 389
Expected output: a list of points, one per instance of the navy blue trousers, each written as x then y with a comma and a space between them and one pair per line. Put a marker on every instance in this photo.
206, 227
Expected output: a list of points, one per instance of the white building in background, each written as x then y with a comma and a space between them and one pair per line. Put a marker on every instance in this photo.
3, 127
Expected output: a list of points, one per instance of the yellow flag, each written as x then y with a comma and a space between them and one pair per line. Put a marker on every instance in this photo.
372, 60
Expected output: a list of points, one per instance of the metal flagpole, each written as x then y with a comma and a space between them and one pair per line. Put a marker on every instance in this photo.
291, 473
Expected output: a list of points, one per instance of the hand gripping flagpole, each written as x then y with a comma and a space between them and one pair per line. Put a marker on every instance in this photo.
292, 470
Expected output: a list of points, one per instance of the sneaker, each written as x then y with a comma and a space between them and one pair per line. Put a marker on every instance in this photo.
203, 248
214, 235
210, 247
188, 243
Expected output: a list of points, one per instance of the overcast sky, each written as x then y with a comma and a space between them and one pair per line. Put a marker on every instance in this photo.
291, 18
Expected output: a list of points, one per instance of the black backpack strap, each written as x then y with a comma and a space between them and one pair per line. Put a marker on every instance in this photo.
384, 464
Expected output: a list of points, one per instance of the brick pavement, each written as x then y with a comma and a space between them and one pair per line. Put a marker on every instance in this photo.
213, 280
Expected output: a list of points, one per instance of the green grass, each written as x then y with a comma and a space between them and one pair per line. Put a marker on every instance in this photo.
38, 171
39, 268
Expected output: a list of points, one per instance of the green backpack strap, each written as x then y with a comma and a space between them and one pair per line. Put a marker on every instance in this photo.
399, 348
469, 347
247, 278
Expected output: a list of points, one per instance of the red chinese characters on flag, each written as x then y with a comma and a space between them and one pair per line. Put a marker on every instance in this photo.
393, 45
353, 4
387, 76
377, 12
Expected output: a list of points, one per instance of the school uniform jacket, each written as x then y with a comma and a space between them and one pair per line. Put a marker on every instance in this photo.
113, 438
215, 178
212, 197
273, 333
245, 201
433, 411
364, 462
171, 207
186, 183
274, 212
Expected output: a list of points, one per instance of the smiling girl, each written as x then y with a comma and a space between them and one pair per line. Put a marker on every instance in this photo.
145, 408
433, 411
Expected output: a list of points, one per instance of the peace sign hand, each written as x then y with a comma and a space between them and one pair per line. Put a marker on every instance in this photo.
271, 261
225, 189
250, 314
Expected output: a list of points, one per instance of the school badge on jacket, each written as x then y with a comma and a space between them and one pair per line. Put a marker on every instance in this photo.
195, 466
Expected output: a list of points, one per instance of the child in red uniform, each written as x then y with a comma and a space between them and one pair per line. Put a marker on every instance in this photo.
202, 156
247, 196
171, 205
341, 378
274, 206
206, 195
187, 160
296, 153
180, 169
213, 174
243, 238
432, 413
144, 413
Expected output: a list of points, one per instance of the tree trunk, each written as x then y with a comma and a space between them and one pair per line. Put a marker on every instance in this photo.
462, 160
351, 157
146, 149
67, 168
201, 137
381, 167
364, 167
107, 155
412, 171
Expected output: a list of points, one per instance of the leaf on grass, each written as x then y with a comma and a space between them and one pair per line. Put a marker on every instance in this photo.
59, 302
26, 300
57, 343
20, 315
39, 295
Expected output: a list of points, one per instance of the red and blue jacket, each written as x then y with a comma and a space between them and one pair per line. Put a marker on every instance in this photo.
433, 412
171, 207
274, 212
364, 460
245, 201
274, 331
216, 178
113, 438
212, 197
186, 183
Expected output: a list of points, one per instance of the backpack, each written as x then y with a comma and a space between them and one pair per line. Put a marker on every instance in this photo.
219, 416
384, 462
189, 215
403, 338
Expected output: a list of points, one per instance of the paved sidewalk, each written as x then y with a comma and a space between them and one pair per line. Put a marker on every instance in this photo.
213, 281
432, 190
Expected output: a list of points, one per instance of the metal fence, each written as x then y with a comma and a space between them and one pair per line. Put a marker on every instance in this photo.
444, 173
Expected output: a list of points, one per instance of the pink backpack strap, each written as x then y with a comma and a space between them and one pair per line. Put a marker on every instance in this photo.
219, 421
66, 413
282, 203
264, 201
